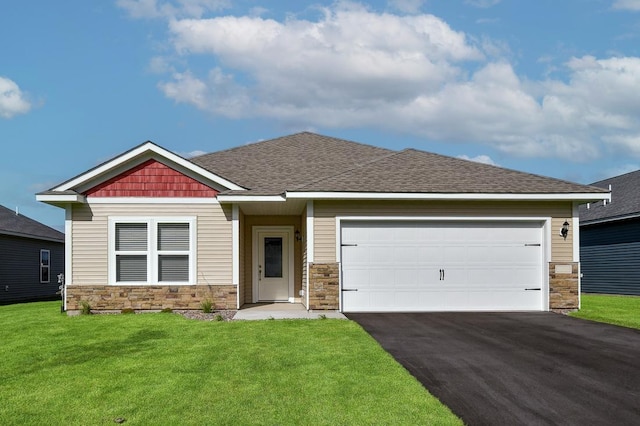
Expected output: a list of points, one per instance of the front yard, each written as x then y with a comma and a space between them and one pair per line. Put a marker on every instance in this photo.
165, 369
618, 310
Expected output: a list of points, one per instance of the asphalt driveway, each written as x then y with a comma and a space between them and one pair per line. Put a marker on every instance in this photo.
518, 368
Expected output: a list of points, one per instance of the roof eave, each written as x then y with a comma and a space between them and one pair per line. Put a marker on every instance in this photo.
576, 197
62, 199
609, 219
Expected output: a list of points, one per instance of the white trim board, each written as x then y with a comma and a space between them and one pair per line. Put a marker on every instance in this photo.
144, 152
445, 196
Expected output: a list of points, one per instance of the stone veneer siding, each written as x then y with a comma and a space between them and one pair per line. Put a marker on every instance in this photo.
563, 287
324, 288
106, 298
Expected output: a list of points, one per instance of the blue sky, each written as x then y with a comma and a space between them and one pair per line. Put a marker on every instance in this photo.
547, 87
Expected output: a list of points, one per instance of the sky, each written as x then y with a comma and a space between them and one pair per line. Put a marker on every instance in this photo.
546, 87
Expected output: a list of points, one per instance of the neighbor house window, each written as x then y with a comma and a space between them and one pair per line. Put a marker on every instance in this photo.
152, 251
45, 266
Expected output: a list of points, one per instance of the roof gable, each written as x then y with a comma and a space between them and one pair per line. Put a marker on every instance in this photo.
133, 158
13, 223
151, 179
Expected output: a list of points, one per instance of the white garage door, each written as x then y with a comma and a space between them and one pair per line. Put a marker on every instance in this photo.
441, 266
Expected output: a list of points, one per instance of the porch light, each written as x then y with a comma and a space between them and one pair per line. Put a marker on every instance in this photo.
298, 235
565, 230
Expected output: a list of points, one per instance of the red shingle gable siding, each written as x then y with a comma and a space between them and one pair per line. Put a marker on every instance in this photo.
151, 179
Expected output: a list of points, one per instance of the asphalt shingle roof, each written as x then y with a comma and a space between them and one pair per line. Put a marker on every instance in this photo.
625, 199
308, 162
276, 165
22, 226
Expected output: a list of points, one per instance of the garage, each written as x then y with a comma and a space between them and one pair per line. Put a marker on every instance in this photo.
412, 266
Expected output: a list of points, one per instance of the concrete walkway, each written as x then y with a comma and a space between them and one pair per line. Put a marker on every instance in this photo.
263, 311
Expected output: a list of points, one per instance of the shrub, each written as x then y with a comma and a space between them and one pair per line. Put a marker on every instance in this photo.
206, 306
85, 308
166, 310
128, 311
218, 317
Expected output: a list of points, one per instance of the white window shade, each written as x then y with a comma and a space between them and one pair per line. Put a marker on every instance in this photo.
131, 268
131, 237
173, 237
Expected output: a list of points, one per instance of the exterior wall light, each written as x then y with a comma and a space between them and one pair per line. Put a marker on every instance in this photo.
298, 235
565, 230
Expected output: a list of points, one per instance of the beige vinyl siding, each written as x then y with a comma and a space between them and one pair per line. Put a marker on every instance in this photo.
91, 229
325, 213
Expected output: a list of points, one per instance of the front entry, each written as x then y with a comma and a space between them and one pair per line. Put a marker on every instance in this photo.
272, 264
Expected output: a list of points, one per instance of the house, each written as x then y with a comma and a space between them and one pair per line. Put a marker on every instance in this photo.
329, 223
610, 238
31, 257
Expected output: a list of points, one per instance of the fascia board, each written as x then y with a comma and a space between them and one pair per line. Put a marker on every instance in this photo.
147, 147
61, 198
250, 198
584, 197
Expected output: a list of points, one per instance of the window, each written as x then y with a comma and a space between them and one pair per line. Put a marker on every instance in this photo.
152, 251
45, 266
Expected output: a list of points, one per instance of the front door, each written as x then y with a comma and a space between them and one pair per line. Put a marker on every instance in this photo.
272, 273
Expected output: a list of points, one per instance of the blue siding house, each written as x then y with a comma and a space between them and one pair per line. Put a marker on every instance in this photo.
31, 257
610, 238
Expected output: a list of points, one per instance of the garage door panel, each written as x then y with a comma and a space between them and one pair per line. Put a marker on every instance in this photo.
422, 266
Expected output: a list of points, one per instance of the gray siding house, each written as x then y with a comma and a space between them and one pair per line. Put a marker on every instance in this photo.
610, 238
31, 257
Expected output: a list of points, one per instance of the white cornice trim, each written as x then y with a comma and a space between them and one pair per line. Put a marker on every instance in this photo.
444, 196
250, 198
141, 150
61, 198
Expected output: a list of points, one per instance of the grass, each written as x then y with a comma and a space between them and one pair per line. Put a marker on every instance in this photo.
165, 369
618, 310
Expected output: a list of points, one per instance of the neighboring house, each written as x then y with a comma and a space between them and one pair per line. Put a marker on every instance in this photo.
31, 257
610, 238
325, 222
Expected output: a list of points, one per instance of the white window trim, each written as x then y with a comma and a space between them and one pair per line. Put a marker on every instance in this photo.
43, 266
152, 251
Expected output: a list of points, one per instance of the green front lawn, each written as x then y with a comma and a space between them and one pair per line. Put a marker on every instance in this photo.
618, 310
165, 369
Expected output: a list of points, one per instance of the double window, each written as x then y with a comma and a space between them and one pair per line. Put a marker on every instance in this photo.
152, 250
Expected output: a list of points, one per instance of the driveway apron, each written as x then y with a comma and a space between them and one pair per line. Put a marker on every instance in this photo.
517, 368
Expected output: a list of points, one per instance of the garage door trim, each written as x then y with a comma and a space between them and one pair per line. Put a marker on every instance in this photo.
545, 226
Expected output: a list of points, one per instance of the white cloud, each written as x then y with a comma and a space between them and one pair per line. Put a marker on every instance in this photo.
484, 159
407, 6
171, 9
353, 67
192, 154
12, 100
482, 3
633, 5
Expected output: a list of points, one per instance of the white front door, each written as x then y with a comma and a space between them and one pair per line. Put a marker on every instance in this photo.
273, 277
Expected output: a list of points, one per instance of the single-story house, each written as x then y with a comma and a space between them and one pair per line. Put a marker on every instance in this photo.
31, 257
610, 238
325, 222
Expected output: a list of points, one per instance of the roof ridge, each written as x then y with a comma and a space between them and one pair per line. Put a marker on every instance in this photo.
359, 166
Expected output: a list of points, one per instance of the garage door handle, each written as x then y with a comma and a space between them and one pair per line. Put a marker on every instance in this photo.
349, 289
536, 289
441, 274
